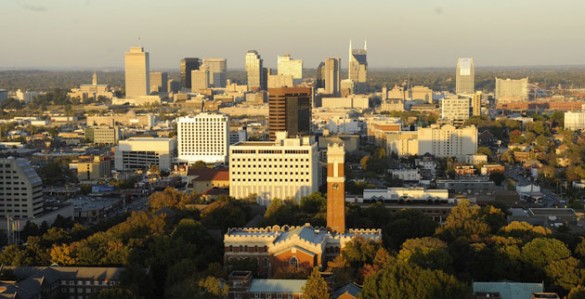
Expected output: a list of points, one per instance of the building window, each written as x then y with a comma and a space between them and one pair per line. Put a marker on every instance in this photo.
294, 262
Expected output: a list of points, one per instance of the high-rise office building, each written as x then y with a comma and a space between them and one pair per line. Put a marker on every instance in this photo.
320, 75
21, 189
159, 81
465, 77
289, 109
204, 137
289, 66
200, 79
456, 109
284, 168
187, 66
254, 71
137, 72
217, 71
331, 76
358, 64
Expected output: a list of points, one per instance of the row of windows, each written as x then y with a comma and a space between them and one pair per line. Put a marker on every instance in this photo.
235, 166
272, 180
15, 188
269, 173
270, 160
13, 211
87, 282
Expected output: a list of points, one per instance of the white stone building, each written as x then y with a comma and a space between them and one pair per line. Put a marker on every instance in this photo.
284, 168
204, 137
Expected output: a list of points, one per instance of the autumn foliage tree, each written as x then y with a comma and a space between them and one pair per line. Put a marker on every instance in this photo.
315, 287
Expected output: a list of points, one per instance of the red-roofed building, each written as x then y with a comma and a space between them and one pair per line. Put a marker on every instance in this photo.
202, 179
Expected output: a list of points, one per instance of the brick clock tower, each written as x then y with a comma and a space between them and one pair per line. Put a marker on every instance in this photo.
336, 188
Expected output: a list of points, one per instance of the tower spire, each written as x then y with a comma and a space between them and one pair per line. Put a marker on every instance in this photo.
366, 44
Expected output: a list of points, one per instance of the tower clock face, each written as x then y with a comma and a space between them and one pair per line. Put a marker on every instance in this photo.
335, 186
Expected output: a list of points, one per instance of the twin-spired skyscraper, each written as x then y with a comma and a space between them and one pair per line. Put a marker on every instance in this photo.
137, 72
358, 64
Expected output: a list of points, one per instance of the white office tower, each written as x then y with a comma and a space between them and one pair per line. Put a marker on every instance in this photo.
465, 77
284, 168
204, 137
21, 190
137, 73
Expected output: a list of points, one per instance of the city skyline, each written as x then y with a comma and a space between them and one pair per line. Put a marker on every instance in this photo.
417, 34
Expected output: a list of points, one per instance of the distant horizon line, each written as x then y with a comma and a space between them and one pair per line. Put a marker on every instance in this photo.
118, 68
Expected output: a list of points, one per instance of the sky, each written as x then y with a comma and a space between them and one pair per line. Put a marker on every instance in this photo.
94, 34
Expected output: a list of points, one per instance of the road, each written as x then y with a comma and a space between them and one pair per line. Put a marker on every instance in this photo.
550, 199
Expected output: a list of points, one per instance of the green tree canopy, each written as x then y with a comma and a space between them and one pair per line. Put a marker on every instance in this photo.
427, 252
401, 280
315, 287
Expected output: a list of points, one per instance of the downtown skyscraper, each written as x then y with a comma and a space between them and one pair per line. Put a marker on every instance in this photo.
255, 76
465, 76
289, 110
186, 67
137, 72
331, 76
358, 64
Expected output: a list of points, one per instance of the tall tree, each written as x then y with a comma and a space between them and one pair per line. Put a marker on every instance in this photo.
315, 287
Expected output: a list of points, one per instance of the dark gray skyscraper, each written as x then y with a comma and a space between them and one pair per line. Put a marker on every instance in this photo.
188, 65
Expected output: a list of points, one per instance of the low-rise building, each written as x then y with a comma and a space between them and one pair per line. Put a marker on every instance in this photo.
476, 159
200, 180
244, 286
398, 194
92, 168
60, 282
104, 135
464, 170
472, 187
407, 175
486, 170
275, 249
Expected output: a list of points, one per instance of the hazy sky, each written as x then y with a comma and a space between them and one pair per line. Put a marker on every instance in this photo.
400, 33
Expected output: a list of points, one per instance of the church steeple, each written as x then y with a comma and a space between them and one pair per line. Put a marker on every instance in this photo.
94, 79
